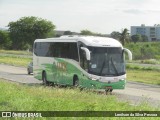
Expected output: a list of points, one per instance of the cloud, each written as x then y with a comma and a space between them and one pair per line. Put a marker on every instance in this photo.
75, 15
153, 11
134, 11
140, 11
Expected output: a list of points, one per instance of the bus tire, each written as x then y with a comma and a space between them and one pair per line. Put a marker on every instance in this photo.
44, 78
28, 72
75, 81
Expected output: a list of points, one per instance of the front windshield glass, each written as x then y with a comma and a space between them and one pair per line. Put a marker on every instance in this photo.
106, 61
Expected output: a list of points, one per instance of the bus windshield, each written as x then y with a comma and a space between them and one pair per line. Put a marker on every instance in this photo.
106, 61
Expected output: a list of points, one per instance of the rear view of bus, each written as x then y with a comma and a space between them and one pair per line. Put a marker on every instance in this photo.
84, 61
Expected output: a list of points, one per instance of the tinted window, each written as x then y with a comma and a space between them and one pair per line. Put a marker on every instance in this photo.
41, 48
62, 50
83, 60
107, 61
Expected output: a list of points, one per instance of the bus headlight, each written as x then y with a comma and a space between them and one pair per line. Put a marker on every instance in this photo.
121, 79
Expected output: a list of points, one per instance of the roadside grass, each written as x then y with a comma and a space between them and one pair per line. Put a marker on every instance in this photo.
14, 52
150, 61
144, 50
146, 61
144, 76
138, 67
18, 97
15, 60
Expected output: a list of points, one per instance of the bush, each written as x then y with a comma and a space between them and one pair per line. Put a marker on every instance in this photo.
145, 50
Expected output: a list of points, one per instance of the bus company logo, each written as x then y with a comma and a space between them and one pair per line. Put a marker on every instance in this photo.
61, 66
6, 114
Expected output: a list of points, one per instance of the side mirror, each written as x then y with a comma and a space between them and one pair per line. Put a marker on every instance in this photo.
88, 56
129, 53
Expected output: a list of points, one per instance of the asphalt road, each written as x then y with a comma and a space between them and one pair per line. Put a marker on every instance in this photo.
17, 74
134, 93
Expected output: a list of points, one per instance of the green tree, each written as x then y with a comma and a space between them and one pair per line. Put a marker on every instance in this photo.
136, 38
90, 33
24, 31
5, 42
124, 36
86, 32
144, 38
67, 33
116, 35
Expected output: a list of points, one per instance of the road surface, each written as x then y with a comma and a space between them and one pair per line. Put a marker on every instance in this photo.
134, 92
17, 74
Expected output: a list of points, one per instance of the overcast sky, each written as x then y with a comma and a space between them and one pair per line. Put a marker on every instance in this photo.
102, 16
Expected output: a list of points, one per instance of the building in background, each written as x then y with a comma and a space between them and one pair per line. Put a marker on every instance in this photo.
152, 32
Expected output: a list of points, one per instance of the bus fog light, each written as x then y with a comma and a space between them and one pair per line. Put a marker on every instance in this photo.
121, 79
94, 79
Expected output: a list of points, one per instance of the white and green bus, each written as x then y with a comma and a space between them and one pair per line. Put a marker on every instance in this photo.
84, 61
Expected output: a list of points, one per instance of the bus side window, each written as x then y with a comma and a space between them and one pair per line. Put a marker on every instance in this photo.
35, 48
83, 60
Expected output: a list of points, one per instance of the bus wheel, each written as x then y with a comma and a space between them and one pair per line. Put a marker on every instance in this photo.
44, 78
28, 72
75, 81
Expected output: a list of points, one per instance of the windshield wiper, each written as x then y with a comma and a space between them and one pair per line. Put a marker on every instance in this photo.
114, 67
104, 62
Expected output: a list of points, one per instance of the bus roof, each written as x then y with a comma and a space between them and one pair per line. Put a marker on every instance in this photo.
87, 40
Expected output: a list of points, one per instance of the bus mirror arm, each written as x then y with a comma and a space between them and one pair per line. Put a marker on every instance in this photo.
129, 53
88, 56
